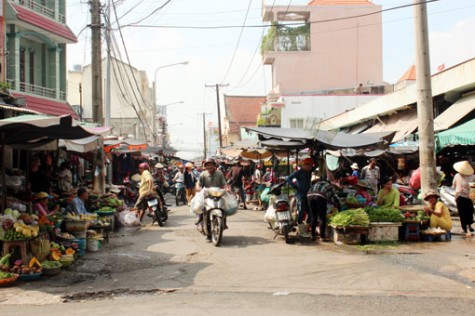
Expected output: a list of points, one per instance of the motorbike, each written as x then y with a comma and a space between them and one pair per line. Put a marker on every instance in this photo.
408, 195
282, 223
180, 193
158, 212
214, 215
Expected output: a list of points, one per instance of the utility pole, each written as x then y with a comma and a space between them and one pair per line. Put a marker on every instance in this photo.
96, 82
217, 86
96, 62
205, 143
204, 137
108, 67
425, 108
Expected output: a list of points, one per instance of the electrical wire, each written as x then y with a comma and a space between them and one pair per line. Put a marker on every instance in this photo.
283, 24
150, 14
238, 41
254, 55
130, 66
144, 122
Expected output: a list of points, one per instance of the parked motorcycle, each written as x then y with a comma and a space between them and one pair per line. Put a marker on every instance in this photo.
408, 195
214, 215
278, 213
156, 210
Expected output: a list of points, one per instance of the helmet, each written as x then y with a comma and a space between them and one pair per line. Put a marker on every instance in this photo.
308, 161
42, 195
144, 165
210, 160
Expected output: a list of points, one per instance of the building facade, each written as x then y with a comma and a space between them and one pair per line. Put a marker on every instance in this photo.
131, 102
36, 36
328, 50
240, 112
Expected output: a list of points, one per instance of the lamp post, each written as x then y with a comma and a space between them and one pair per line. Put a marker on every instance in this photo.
154, 107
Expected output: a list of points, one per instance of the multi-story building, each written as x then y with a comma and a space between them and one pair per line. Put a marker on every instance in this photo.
35, 53
318, 54
131, 113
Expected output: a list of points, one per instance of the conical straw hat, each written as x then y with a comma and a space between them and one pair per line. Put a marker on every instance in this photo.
463, 167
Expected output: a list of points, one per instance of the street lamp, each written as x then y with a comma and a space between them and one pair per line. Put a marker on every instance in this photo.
154, 108
163, 107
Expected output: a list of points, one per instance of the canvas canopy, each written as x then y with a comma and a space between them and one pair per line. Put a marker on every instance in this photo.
461, 135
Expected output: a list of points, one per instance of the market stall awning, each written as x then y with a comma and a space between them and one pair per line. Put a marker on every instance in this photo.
403, 124
36, 128
82, 145
454, 113
460, 135
124, 145
289, 145
327, 139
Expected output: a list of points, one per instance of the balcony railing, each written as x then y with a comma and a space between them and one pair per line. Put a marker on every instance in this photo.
38, 90
41, 9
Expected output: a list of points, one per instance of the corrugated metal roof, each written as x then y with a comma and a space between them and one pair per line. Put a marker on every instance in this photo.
454, 113
404, 124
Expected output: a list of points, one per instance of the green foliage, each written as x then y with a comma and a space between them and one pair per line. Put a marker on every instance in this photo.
351, 217
384, 215
289, 38
4, 86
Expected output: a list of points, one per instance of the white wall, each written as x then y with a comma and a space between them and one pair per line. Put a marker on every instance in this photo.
319, 107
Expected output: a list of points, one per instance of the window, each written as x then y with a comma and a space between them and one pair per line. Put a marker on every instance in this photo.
296, 123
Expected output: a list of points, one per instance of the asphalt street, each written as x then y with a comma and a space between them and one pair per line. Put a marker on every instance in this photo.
172, 270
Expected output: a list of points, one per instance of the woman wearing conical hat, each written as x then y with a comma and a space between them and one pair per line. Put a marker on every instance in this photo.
461, 184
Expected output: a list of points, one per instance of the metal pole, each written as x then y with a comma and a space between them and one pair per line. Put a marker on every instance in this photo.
425, 108
154, 112
4, 184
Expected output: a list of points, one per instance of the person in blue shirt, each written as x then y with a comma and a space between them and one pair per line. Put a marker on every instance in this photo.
77, 206
356, 170
300, 180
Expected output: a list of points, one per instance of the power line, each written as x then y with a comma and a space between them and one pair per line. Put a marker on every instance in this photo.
151, 13
239, 40
254, 55
283, 24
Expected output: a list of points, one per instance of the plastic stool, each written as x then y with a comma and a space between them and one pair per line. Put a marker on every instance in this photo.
412, 231
9, 244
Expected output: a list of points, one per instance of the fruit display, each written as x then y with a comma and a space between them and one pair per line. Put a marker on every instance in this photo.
40, 248
5, 262
51, 264
33, 267
65, 235
6, 275
82, 217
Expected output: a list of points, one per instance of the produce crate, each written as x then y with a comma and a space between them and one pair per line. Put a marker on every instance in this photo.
382, 231
350, 235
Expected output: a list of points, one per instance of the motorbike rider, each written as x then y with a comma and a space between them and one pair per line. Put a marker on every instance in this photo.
210, 178
146, 187
319, 195
303, 178
236, 175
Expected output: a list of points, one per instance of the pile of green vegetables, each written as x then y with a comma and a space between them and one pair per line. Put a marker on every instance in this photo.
380, 214
6, 275
350, 217
51, 264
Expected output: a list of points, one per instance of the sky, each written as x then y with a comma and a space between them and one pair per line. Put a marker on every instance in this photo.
231, 56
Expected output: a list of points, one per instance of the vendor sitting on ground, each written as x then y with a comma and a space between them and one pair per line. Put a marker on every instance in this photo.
362, 192
438, 211
77, 206
388, 197
41, 204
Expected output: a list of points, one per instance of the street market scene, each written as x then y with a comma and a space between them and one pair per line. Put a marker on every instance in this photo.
197, 174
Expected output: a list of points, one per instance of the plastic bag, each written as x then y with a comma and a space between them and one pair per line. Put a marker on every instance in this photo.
129, 218
198, 203
415, 180
269, 215
231, 204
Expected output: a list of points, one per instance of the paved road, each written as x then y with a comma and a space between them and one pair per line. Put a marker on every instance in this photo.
253, 274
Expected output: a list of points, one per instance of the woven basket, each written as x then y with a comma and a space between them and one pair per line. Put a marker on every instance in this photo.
9, 281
